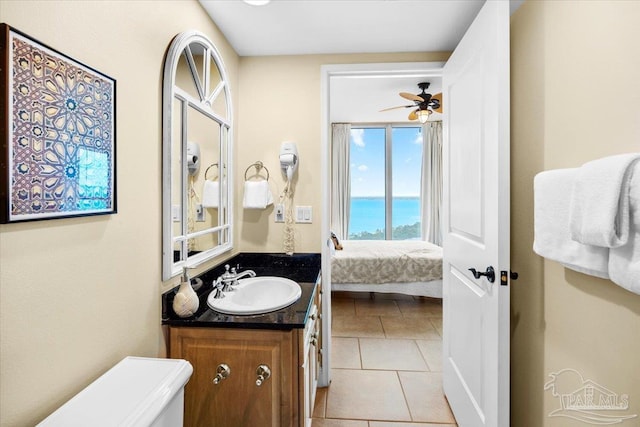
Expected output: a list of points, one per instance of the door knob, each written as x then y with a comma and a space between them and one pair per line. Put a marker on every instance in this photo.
490, 274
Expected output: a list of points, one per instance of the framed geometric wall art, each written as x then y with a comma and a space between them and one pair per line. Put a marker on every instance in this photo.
57, 133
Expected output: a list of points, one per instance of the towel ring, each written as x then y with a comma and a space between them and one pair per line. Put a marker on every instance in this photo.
206, 171
259, 166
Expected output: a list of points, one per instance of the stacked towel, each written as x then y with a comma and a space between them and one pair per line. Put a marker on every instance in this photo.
210, 194
624, 261
600, 201
257, 195
589, 218
552, 194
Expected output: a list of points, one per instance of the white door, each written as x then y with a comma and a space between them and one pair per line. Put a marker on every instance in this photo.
476, 221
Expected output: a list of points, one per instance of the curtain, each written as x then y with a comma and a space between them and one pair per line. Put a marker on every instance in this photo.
340, 179
431, 184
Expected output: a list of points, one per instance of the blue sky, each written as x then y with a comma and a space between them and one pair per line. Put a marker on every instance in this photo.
367, 161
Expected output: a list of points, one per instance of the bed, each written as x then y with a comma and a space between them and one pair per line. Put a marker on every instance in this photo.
412, 267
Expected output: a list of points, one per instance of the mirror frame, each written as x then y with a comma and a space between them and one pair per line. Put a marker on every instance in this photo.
171, 268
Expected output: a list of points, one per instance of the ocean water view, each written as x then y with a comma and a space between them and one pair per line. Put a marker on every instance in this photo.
368, 214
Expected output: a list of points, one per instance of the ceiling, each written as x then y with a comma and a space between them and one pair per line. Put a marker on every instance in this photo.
302, 27
299, 27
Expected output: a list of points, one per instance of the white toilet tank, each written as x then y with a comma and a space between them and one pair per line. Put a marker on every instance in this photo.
138, 391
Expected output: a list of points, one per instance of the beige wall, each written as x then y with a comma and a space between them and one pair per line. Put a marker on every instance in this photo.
565, 56
77, 295
280, 101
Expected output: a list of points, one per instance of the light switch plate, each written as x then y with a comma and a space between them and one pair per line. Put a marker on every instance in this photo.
303, 214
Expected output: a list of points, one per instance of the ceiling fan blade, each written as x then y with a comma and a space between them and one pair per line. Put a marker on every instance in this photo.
438, 96
413, 115
399, 106
411, 97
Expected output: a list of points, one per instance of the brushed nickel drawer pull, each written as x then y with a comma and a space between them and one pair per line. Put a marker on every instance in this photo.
222, 373
263, 372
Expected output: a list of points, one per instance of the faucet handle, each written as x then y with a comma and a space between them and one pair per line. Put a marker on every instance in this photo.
226, 275
218, 288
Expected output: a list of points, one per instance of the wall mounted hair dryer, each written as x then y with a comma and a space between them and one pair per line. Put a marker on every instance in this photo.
289, 159
193, 158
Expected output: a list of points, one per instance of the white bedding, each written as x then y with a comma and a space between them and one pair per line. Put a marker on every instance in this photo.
386, 261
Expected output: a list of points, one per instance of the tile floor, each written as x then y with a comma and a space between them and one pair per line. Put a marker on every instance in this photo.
386, 363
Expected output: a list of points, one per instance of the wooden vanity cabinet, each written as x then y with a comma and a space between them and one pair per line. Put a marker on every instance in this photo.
236, 400
285, 399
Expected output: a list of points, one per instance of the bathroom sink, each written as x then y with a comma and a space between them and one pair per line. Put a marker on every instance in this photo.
257, 295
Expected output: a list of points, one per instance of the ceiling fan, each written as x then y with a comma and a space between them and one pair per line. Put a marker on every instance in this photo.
425, 102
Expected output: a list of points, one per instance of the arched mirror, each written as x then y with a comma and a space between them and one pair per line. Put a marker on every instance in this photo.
196, 183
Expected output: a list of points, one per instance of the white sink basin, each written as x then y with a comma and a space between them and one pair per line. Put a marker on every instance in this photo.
257, 295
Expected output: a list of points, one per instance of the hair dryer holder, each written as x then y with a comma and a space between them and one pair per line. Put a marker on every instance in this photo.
289, 159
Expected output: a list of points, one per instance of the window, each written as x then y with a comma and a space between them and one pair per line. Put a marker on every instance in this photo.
385, 173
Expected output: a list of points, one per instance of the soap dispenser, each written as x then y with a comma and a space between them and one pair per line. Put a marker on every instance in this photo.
185, 302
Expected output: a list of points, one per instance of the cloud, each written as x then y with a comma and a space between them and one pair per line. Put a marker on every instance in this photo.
357, 137
418, 140
363, 168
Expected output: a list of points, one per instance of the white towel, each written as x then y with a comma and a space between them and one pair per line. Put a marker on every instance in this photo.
552, 238
624, 261
600, 203
210, 194
257, 195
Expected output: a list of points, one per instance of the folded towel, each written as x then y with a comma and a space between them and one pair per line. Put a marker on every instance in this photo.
257, 195
210, 194
624, 261
552, 238
599, 213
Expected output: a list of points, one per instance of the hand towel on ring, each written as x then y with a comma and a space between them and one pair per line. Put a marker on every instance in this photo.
257, 195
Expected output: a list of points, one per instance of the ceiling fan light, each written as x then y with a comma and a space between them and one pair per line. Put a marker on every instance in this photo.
423, 116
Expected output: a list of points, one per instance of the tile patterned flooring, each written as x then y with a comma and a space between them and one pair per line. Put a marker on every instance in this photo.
386, 363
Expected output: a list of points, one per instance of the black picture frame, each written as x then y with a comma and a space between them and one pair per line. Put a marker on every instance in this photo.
57, 133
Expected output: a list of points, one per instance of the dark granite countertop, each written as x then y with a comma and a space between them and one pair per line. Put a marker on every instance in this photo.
302, 268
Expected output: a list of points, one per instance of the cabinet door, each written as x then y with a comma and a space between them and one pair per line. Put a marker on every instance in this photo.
308, 378
319, 323
236, 400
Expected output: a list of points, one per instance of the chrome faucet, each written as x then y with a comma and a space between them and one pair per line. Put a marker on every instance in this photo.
245, 273
230, 278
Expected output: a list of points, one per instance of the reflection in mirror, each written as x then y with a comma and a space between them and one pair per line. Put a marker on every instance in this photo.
197, 129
